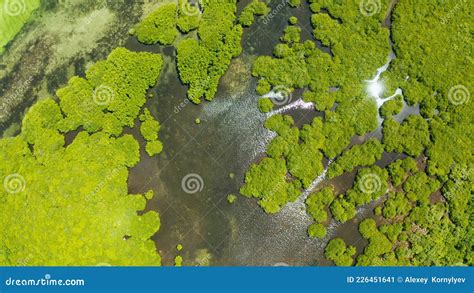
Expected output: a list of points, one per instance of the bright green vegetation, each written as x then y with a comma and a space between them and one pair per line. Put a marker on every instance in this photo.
378, 245
204, 58
291, 151
102, 101
424, 201
267, 181
429, 84
178, 261
399, 169
392, 107
293, 20
188, 16
316, 206
339, 253
202, 62
149, 194
159, 26
358, 116
419, 187
438, 232
365, 154
71, 202
441, 44
149, 129
424, 205
370, 184
291, 34
256, 7
412, 136
231, 198
299, 65
265, 105
397, 204
13, 16
294, 3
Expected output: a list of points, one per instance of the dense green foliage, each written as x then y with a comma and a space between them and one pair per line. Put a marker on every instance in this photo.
316, 206
425, 217
149, 129
359, 46
267, 181
202, 62
300, 65
71, 202
293, 20
424, 203
339, 253
297, 153
204, 58
412, 136
399, 169
103, 101
364, 154
378, 245
265, 105
430, 217
294, 3
231, 198
188, 16
370, 184
159, 26
397, 204
392, 107
256, 7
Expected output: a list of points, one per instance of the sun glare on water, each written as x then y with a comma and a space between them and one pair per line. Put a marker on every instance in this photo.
375, 88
